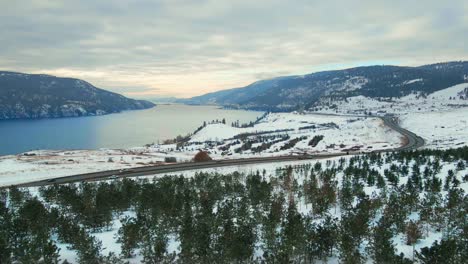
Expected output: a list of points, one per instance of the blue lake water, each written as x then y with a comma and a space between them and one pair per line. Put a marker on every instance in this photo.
122, 130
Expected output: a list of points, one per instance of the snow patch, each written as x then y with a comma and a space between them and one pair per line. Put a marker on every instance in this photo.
412, 81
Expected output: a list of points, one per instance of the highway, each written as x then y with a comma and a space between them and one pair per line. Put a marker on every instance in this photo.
175, 167
413, 142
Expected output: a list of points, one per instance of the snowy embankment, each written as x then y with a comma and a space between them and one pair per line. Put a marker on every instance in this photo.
46, 164
441, 130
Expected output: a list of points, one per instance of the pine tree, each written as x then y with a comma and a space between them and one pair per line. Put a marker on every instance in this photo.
292, 241
413, 234
129, 236
50, 252
382, 248
5, 231
187, 229
346, 194
445, 252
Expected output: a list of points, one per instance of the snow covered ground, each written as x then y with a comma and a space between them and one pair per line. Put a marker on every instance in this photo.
444, 129
440, 118
340, 133
39, 165
446, 99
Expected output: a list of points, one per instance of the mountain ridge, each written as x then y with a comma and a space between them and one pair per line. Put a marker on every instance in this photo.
294, 92
30, 96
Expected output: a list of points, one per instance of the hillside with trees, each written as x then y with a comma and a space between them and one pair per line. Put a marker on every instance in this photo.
302, 92
45, 96
406, 207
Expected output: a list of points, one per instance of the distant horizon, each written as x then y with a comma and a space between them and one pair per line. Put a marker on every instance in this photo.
160, 97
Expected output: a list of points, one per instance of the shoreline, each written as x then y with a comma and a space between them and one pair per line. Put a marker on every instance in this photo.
158, 115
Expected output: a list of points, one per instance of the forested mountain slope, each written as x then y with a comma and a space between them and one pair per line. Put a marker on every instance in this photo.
45, 96
295, 92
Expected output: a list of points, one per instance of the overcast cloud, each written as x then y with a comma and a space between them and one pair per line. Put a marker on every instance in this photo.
184, 48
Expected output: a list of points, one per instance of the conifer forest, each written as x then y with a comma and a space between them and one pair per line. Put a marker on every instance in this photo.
401, 207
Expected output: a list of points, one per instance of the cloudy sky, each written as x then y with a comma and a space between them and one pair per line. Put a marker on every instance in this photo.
151, 48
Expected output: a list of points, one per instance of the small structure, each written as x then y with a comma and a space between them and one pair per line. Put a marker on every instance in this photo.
170, 159
202, 156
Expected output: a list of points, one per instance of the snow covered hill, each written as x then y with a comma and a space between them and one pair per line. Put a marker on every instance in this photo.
446, 99
442, 129
287, 133
440, 118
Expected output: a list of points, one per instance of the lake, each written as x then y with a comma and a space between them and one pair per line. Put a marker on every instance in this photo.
122, 130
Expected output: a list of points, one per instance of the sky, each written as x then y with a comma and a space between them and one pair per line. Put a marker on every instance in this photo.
183, 48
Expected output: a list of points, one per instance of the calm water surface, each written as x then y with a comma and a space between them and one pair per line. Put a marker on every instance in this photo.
127, 129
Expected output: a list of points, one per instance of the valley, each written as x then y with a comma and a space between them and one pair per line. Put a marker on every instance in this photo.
351, 178
234, 132
274, 135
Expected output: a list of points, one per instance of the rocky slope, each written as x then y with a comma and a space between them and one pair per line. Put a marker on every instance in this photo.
45, 96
